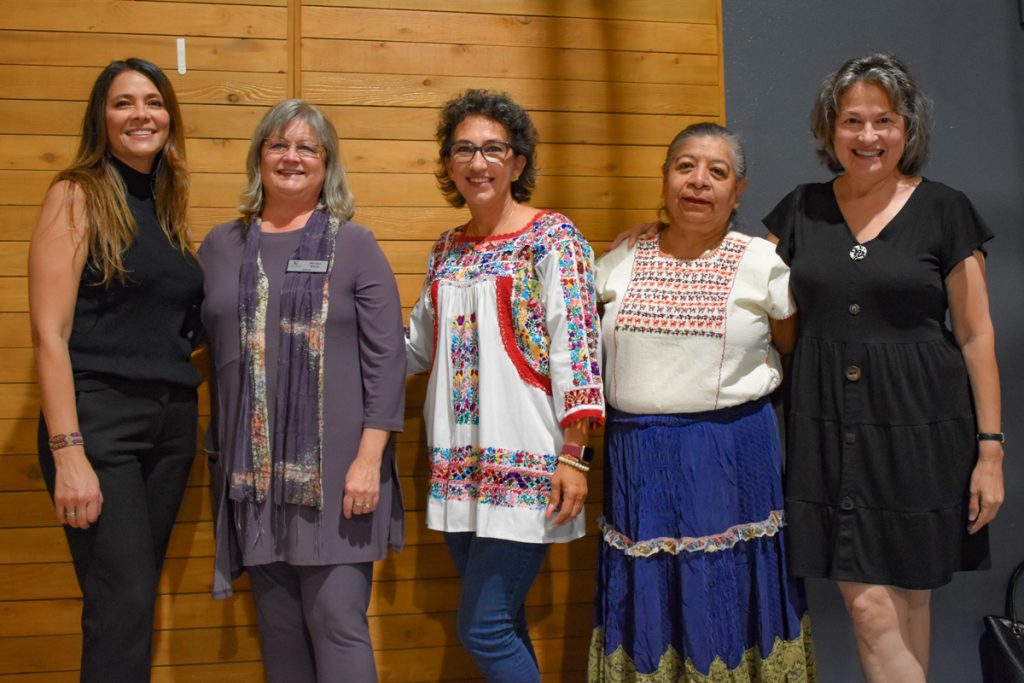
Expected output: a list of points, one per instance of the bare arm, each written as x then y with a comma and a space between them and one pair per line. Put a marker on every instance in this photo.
784, 333
972, 327
56, 259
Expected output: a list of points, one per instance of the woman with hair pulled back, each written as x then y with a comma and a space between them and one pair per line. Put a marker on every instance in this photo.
114, 291
692, 581
894, 441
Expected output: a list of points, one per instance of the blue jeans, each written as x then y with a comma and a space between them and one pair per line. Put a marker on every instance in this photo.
496, 576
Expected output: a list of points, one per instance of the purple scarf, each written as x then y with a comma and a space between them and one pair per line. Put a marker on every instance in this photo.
291, 467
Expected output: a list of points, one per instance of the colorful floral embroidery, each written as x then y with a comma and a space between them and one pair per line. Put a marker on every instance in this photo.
578, 290
531, 331
465, 382
692, 544
790, 661
492, 476
456, 259
681, 297
585, 397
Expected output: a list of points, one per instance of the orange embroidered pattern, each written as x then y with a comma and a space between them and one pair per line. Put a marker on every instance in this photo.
671, 296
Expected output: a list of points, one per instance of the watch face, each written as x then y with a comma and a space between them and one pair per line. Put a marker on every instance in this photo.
581, 453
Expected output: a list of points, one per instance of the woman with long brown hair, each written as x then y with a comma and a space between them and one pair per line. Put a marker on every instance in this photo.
114, 289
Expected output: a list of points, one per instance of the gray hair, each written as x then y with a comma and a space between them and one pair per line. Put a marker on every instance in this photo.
908, 100
708, 129
335, 197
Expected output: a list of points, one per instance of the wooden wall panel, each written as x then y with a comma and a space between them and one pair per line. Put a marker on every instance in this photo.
608, 84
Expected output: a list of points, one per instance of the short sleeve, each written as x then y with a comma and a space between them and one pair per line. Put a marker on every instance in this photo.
964, 232
779, 302
781, 222
607, 270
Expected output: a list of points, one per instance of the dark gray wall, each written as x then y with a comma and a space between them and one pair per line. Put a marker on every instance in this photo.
969, 56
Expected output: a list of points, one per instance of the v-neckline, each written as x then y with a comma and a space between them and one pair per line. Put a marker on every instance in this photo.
885, 228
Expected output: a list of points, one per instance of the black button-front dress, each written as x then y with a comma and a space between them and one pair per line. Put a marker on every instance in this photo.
880, 428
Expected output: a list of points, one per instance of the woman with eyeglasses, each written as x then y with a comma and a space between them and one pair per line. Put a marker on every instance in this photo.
507, 327
308, 382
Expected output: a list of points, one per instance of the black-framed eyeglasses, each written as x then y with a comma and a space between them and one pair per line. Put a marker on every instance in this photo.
493, 151
278, 147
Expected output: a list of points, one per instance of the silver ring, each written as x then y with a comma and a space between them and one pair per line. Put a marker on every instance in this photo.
70, 514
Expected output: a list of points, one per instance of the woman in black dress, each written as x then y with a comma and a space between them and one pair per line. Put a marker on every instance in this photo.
894, 448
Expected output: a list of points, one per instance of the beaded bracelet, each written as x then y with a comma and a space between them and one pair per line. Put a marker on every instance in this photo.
566, 460
59, 441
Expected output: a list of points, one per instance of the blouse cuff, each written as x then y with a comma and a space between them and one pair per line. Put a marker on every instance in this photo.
584, 402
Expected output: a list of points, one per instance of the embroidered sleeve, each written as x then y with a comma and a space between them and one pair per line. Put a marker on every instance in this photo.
566, 274
420, 335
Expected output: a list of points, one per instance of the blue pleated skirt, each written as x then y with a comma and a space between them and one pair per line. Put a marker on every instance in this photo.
692, 580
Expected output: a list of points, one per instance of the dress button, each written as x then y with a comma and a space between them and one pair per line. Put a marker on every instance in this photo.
854, 309
846, 503
850, 438
852, 373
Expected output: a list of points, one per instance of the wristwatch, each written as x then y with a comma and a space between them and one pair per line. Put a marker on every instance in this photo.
577, 452
992, 436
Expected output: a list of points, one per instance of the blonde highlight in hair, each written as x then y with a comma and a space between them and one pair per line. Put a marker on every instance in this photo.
109, 225
335, 196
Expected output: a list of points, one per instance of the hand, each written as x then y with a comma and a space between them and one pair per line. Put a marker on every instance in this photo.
77, 498
986, 486
643, 231
568, 492
362, 487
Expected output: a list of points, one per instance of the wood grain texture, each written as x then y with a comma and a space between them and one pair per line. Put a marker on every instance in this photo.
607, 83
524, 30
127, 16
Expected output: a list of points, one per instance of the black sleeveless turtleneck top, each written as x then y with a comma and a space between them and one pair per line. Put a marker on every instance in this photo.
143, 329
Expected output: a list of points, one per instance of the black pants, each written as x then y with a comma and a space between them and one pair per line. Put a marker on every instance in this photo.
140, 438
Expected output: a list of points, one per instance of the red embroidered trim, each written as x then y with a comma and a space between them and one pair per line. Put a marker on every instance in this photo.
503, 290
596, 417
462, 237
433, 304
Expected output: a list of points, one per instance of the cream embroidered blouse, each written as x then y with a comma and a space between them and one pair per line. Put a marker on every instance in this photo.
685, 336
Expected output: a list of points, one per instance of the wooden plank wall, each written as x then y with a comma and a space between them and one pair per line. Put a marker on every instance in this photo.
608, 84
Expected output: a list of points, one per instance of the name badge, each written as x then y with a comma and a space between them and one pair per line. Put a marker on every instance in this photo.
305, 266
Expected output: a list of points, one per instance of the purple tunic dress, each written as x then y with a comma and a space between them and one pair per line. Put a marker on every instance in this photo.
364, 386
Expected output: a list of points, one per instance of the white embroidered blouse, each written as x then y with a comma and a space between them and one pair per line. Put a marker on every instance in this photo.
508, 329
686, 336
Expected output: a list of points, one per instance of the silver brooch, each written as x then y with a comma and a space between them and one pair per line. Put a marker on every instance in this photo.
858, 252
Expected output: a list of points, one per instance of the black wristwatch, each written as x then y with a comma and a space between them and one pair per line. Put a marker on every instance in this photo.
992, 436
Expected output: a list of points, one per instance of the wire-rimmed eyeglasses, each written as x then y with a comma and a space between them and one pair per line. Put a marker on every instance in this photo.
278, 147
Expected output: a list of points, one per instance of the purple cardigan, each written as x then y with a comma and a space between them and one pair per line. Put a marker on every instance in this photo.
364, 386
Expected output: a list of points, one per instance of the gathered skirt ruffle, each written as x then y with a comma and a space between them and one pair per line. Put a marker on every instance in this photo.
692, 579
